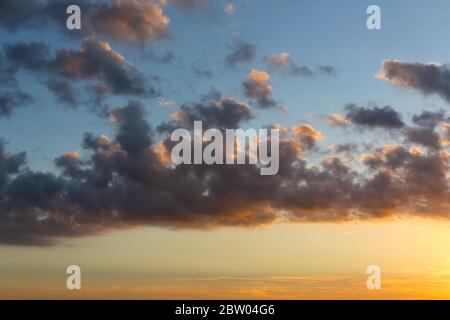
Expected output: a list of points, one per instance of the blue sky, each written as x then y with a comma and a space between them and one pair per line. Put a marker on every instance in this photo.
313, 32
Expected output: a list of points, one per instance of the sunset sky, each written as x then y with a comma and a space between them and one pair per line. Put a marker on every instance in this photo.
86, 176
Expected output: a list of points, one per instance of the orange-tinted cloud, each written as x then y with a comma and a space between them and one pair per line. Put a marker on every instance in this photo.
132, 21
429, 78
257, 87
126, 180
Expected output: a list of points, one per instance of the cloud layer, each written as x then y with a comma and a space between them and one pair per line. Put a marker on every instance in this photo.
128, 180
383, 117
430, 78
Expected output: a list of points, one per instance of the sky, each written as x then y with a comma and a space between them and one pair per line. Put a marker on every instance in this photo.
86, 176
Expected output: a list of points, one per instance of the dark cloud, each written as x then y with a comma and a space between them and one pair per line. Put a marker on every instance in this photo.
412, 173
32, 56
9, 163
11, 100
284, 63
97, 60
11, 96
430, 119
424, 136
71, 164
130, 21
35, 189
375, 117
123, 182
18, 14
134, 131
214, 112
7, 73
104, 70
240, 52
431, 78
63, 91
